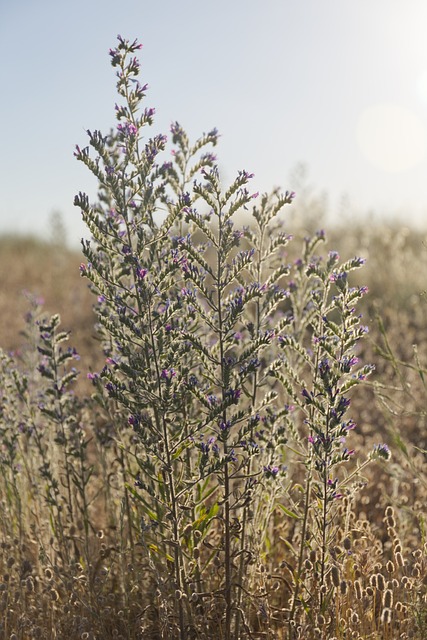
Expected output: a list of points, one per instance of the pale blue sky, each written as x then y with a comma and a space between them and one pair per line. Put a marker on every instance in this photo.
340, 86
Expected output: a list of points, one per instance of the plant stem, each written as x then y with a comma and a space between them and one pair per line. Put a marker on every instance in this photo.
302, 545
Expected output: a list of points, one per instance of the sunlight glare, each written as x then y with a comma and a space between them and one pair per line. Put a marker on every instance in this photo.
391, 137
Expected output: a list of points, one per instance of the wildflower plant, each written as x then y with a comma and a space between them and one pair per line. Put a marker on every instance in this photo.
192, 313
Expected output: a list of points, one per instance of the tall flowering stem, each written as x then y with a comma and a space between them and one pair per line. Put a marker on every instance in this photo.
322, 346
227, 291
149, 281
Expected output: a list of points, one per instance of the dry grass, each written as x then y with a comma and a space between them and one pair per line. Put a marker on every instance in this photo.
49, 272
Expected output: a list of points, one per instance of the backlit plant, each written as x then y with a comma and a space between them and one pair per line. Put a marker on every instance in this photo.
192, 310
207, 488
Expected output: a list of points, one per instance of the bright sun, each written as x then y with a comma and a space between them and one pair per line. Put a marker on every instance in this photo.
392, 138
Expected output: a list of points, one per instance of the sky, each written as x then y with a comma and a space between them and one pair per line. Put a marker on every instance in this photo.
337, 87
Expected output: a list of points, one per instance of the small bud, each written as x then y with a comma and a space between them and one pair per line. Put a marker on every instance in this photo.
335, 576
380, 582
54, 595
48, 574
358, 589
386, 616
388, 599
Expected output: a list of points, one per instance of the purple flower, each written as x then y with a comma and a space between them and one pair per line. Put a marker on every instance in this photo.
192, 381
332, 484
208, 158
204, 447
154, 146
133, 420
72, 351
244, 175
168, 374
141, 273
128, 129
177, 132
110, 387
339, 278
343, 404
348, 426
233, 394
115, 57
347, 453
308, 397
271, 471
380, 452
149, 112
347, 362
232, 456
213, 136
324, 368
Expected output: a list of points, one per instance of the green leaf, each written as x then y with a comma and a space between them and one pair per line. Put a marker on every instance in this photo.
288, 512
